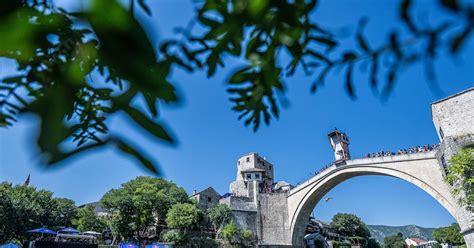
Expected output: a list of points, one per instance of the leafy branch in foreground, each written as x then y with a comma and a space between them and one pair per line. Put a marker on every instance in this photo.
75, 70
262, 32
75, 77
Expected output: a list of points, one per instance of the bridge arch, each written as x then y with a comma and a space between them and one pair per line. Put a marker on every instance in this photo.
421, 170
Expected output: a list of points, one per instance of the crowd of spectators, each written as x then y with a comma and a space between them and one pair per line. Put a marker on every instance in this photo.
382, 153
416, 149
324, 168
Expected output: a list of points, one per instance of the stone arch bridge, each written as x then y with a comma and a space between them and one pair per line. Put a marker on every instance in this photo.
279, 219
287, 228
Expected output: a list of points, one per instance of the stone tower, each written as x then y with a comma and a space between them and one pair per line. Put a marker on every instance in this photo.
453, 118
340, 146
254, 175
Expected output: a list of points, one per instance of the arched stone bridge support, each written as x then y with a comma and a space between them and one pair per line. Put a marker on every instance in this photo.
420, 169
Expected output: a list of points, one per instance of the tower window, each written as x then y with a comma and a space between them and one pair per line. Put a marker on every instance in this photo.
248, 159
270, 167
257, 176
209, 199
238, 162
249, 176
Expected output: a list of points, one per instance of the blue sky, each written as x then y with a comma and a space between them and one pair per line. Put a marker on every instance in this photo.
211, 138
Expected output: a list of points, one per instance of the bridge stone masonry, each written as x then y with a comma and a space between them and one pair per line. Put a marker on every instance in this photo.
278, 212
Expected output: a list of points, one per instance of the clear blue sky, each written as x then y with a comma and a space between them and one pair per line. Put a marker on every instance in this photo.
211, 138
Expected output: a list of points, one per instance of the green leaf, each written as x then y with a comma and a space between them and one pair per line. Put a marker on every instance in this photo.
147, 124
325, 40
349, 83
144, 6
12, 80
151, 103
405, 7
257, 6
452, 5
361, 40
146, 162
374, 70
349, 56
458, 40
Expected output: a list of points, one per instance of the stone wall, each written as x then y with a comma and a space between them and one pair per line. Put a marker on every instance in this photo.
273, 226
246, 220
244, 212
454, 114
238, 188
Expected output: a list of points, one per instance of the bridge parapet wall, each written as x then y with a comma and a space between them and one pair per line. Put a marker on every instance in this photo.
392, 158
364, 161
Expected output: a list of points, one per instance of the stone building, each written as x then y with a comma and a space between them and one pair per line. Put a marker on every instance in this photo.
254, 173
206, 198
454, 122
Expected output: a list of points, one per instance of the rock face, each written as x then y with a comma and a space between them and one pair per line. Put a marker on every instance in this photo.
379, 232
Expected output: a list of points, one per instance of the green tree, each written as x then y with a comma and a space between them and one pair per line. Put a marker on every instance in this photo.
87, 220
178, 237
350, 225
61, 80
140, 204
219, 215
234, 235
231, 232
450, 234
64, 211
23, 208
372, 243
394, 241
183, 216
461, 175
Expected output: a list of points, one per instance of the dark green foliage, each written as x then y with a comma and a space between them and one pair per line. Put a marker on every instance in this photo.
56, 83
24, 208
140, 204
461, 175
74, 77
219, 215
234, 235
87, 220
183, 216
178, 237
395, 241
350, 225
336, 244
202, 242
450, 234
372, 243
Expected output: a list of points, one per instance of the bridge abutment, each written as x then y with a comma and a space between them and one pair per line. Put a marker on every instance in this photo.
469, 238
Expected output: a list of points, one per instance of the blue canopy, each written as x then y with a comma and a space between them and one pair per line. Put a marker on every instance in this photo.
157, 246
10, 245
225, 195
68, 230
128, 245
42, 230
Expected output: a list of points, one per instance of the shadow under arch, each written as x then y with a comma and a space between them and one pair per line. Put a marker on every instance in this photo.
320, 187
